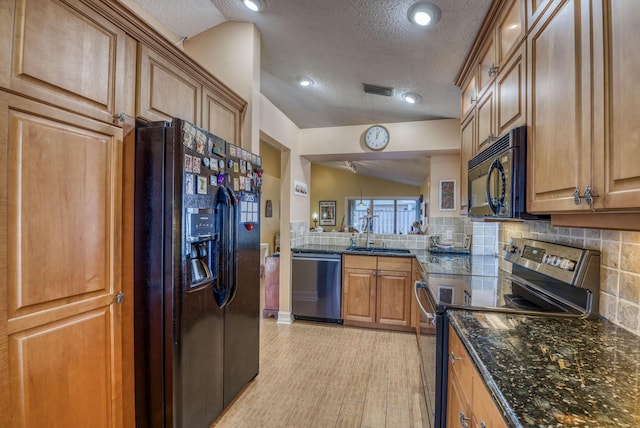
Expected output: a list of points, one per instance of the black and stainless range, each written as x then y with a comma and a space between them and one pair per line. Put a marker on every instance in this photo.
546, 279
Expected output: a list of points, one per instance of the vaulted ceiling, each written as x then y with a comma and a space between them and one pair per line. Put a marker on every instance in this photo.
341, 44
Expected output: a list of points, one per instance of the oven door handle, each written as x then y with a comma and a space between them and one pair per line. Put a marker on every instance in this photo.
422, 285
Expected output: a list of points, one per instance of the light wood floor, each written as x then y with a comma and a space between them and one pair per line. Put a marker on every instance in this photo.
323, 375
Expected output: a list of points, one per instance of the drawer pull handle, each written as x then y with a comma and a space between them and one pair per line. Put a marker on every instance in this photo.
453, 358
464, 420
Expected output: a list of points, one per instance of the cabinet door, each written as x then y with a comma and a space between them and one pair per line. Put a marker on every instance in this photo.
485, 117
66, 54
616, 105
467, 151
165, 91
469, 96
535, 9
221, 119
359, 295
558, 108
510, 94
509, 30
458, 406
63, 208
394, 298
486, 69
485, 410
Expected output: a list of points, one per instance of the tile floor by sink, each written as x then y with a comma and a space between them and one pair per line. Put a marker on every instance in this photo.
323, 375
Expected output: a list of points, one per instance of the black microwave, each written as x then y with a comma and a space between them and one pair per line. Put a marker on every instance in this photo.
497, 179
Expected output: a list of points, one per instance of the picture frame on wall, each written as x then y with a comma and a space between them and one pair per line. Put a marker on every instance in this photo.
327, 213
300, 188
447, 195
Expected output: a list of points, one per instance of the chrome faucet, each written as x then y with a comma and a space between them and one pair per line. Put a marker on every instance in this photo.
370, 241
369, 228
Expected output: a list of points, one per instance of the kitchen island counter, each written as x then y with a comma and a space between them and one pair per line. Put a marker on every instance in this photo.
545, 372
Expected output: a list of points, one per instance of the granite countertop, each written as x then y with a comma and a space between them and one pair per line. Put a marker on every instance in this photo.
341, 249
447, 263
550, 372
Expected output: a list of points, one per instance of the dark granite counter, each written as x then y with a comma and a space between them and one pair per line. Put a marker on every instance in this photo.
554, 372
375, 251
447, 263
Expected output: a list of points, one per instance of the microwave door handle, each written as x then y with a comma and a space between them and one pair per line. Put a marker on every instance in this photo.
492, 206
496, 207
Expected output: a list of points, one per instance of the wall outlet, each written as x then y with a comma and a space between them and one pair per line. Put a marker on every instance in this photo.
448, 235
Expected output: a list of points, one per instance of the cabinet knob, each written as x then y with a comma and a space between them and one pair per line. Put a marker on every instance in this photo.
120, 297
453, 358
493, 70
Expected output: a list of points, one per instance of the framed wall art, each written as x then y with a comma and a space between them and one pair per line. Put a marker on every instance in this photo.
447, 195
327, 213
300, 188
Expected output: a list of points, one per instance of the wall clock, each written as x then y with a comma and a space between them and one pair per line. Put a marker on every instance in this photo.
376, 137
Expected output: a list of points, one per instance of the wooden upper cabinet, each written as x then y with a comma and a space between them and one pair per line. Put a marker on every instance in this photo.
63, 270
535, 9
66, 54
485, 118
617, 141
467, 151
165, 91
469, 96
509, 30
220, 118
558, 108
510, 93
487, 66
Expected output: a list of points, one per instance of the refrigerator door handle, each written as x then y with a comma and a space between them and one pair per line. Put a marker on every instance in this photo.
233, 231
221, 287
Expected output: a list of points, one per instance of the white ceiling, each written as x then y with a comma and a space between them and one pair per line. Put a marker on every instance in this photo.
342, 44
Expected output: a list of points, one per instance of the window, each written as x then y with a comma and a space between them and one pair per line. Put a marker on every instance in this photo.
390, 215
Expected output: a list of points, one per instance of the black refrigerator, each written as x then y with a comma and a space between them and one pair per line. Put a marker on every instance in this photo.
196, 319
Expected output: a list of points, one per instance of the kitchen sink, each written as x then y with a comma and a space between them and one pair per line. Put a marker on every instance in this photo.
378, 250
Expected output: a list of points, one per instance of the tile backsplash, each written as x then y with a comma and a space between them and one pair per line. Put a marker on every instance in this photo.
619, 269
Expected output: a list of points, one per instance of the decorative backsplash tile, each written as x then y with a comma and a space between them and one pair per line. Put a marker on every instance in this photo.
619, 269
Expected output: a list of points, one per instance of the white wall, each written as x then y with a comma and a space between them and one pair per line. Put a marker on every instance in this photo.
406, 139
231, 52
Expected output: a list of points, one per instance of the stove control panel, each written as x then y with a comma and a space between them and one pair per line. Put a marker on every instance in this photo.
556, 260
560, 262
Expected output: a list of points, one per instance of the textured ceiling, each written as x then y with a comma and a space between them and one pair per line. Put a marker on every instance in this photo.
341, 44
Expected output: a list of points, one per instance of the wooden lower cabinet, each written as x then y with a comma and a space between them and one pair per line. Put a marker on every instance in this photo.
376, 291
469, 403
60, 325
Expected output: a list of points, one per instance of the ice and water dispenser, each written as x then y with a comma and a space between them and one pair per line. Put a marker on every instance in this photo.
201, 247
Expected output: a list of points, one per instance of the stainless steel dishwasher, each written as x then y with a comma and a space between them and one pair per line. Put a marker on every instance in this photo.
317, 287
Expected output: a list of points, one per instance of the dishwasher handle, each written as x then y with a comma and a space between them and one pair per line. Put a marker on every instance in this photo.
317, 257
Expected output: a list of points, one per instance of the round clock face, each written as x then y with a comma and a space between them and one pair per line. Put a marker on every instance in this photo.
376, 137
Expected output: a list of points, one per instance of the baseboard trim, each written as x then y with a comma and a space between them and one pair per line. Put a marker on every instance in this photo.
285, 317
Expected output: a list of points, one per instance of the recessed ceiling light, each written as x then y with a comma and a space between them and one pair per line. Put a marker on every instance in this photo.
305, 81
254, 5
423, 13
411, 97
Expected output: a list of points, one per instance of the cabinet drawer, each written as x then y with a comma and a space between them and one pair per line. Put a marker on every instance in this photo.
360, 262
402, 264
